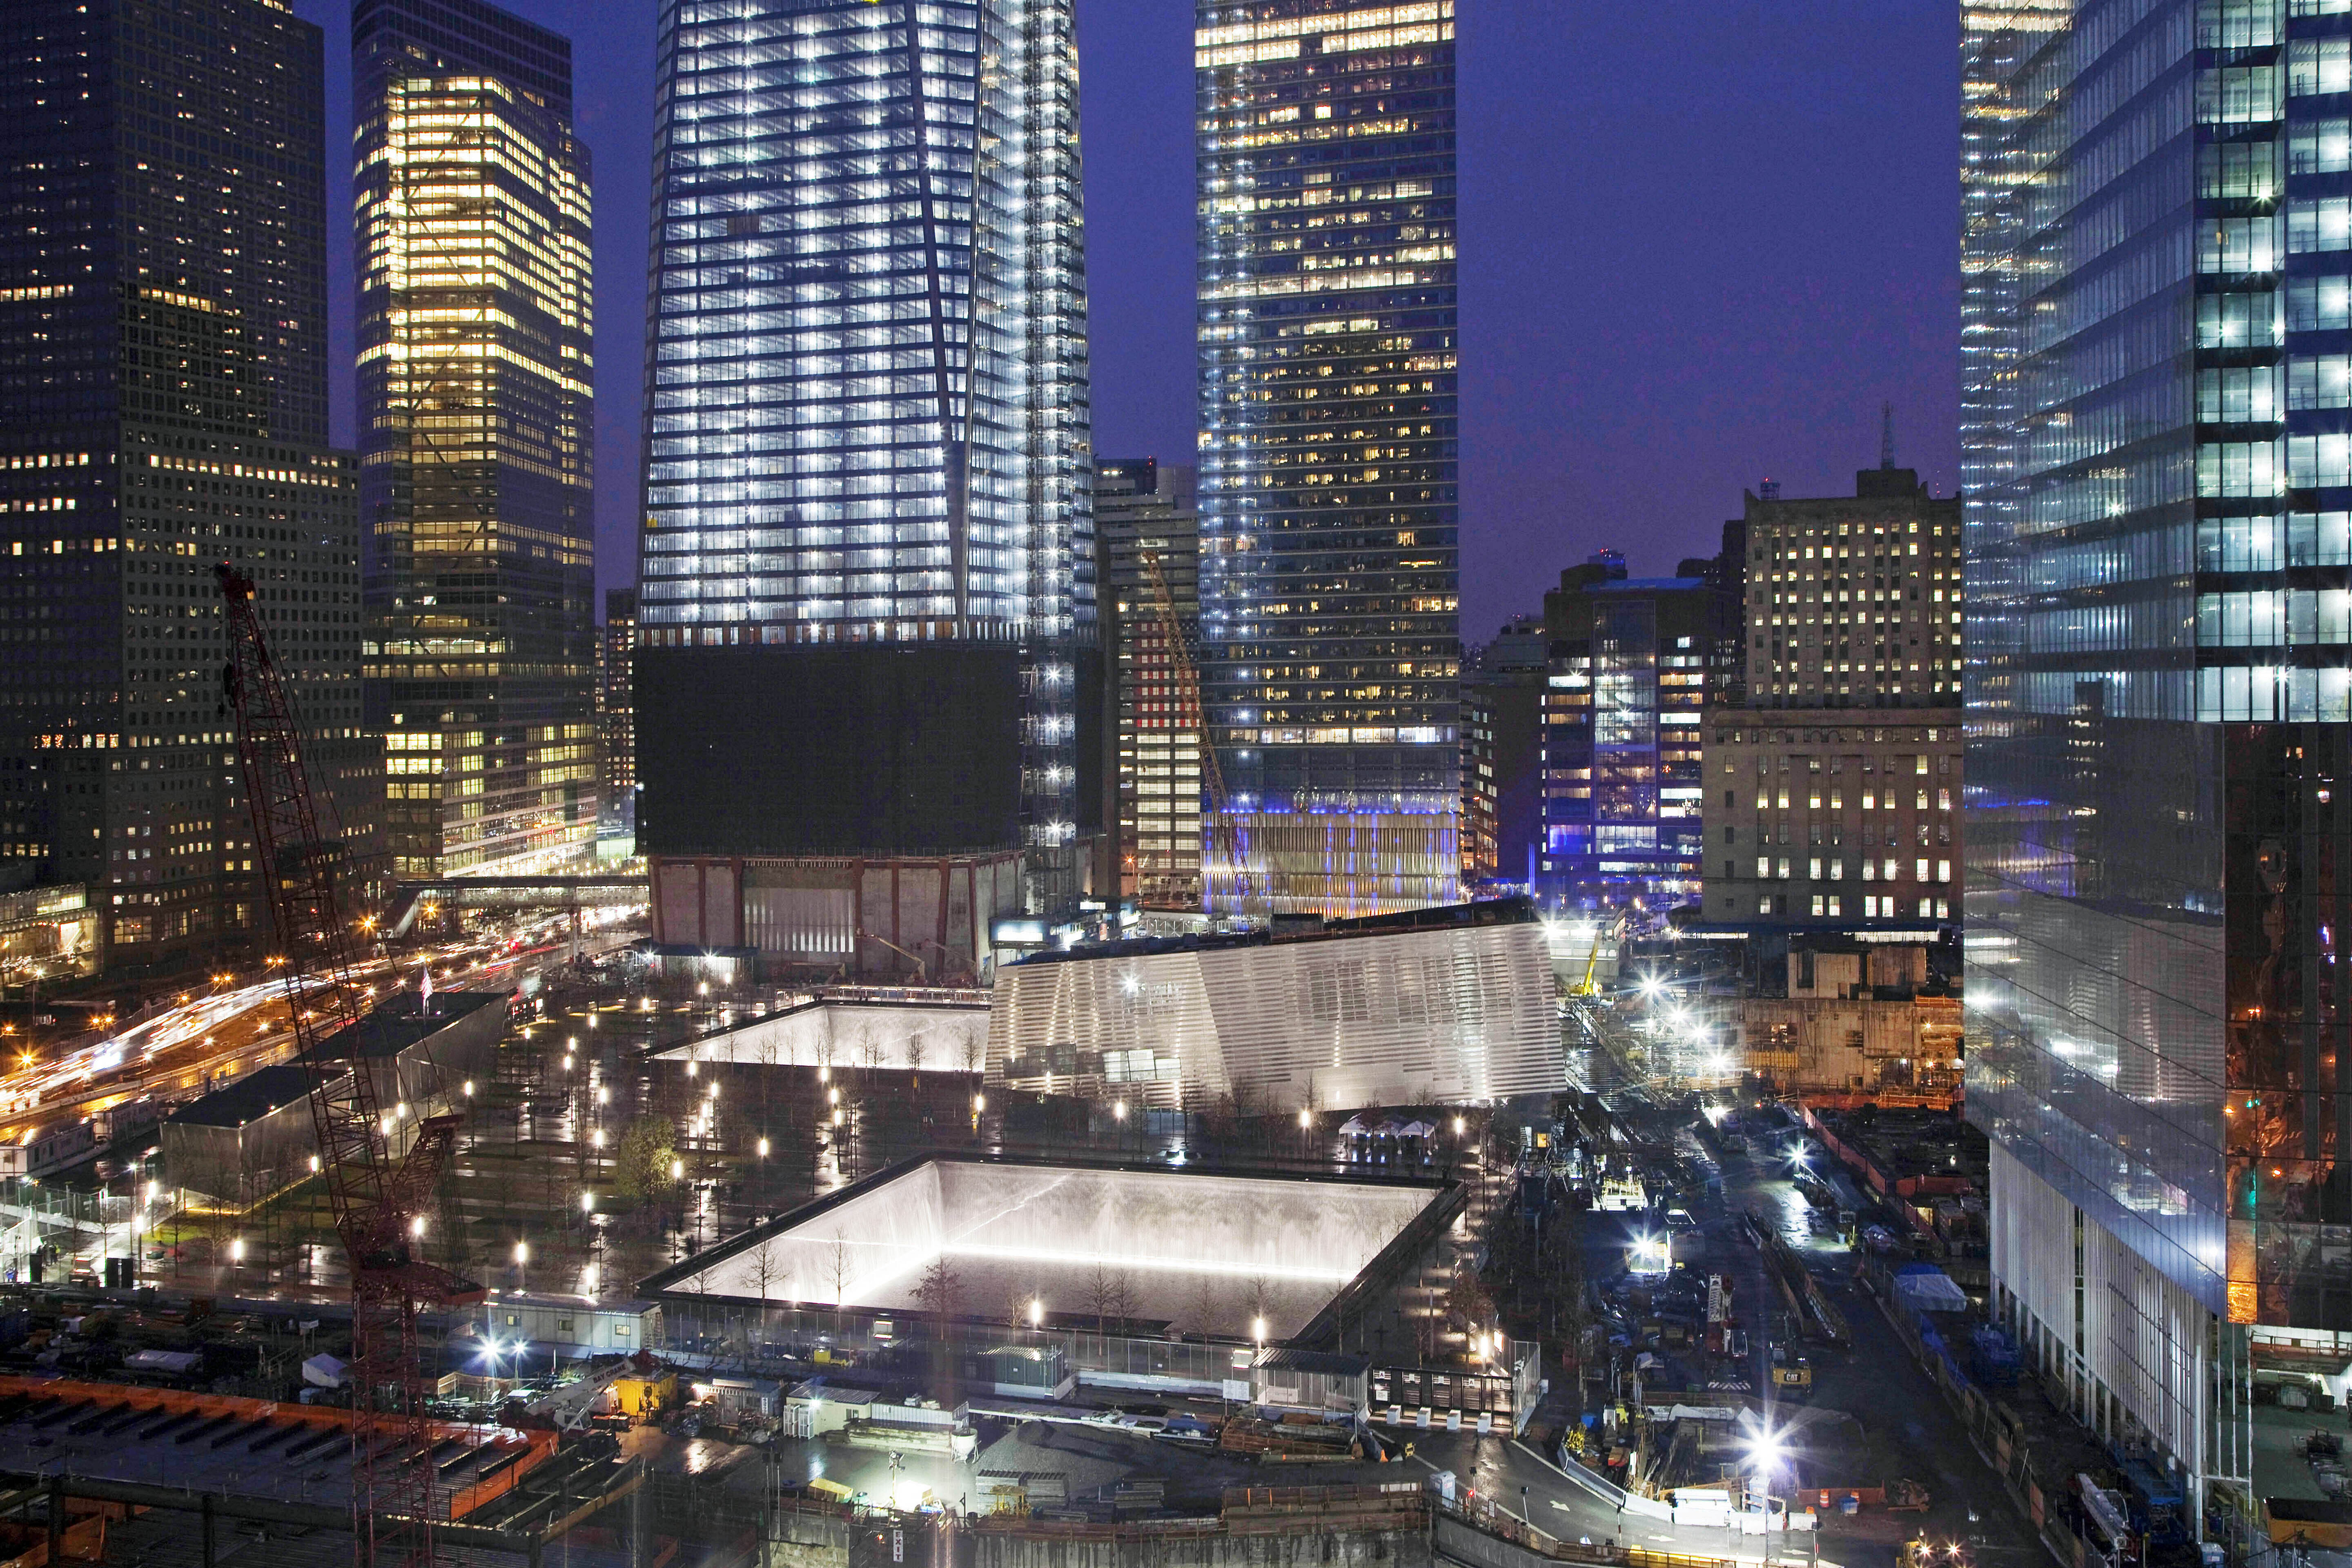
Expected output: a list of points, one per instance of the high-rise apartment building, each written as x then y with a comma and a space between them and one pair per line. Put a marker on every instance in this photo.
1327, 334
1832, 797
1149, 537
2157, 471
477, 482
163, 407
868, 681
616, 718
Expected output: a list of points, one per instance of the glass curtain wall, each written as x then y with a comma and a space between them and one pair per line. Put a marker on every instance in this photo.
2157, 254
1329, 562
867, 411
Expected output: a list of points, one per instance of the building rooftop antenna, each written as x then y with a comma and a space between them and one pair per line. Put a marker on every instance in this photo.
1886, 436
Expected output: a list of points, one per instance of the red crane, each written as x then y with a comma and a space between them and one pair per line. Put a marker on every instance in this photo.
376, 1193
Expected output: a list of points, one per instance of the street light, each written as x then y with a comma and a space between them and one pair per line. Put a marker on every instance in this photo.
763, 1148
1036, 1312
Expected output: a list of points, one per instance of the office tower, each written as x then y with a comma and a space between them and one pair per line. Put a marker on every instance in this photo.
867, 584
164, 407
1329, 567
1629, 664
1854, 601
2154, 466
616, 720
1820, 814
1502, 756
1147, 535
470, 226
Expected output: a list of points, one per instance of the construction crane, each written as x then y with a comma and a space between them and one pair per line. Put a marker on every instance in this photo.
1224, 832
377, 1196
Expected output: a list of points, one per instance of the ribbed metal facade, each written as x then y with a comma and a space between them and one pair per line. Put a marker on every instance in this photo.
1324, 1023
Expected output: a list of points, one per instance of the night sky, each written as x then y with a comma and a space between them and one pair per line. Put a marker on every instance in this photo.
1702, 241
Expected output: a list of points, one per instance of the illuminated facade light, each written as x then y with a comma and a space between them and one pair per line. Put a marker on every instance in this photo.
471, 218
867, 420
1326, 289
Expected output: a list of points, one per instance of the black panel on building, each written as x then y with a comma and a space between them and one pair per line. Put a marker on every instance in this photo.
872, 749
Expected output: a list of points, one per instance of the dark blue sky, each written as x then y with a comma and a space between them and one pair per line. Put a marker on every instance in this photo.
1701, 242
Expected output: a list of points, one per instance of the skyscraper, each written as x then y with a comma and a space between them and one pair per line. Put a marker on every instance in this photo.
2155, 467
164, 407
1329, 567
617, 721
866, 581
1150, 538
476, 491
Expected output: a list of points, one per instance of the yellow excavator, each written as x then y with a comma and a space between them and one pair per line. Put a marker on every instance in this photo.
1590, 985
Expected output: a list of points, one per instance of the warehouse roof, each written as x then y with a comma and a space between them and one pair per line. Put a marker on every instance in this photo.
396, 1026
249, 1100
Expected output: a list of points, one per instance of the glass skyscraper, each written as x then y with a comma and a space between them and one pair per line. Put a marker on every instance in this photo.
164, 407
2158, 258
866, 425
470, 221
1328, 566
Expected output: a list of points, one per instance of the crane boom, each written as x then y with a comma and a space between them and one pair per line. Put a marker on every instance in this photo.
374, 1192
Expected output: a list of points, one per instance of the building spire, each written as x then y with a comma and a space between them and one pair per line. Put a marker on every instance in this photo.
1886, 436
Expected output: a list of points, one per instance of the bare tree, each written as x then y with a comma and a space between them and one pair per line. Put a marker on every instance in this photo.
975, 1049
765, 1271
1102, 1290
1261, 1297
838, 1266
1204, 1304
1122, 1297
916, 1048
870, 1049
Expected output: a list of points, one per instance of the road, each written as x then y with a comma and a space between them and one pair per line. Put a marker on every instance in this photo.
221, 1034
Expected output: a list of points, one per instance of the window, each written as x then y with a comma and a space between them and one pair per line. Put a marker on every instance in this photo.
1728, 802
1763, 867
1814, 874
1943, 800
1926, 907
1784, 867
1922, 872
1943, 871
1731, 835
1835, 912
1764, 905
1821, 904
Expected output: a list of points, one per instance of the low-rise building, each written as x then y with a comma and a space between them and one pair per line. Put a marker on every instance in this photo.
1836, 820
1863, 1022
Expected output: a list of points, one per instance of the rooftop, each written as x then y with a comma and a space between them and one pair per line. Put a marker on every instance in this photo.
249, 1099
398, 1025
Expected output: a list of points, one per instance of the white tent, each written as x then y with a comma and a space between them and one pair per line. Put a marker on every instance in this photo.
1931, 1290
